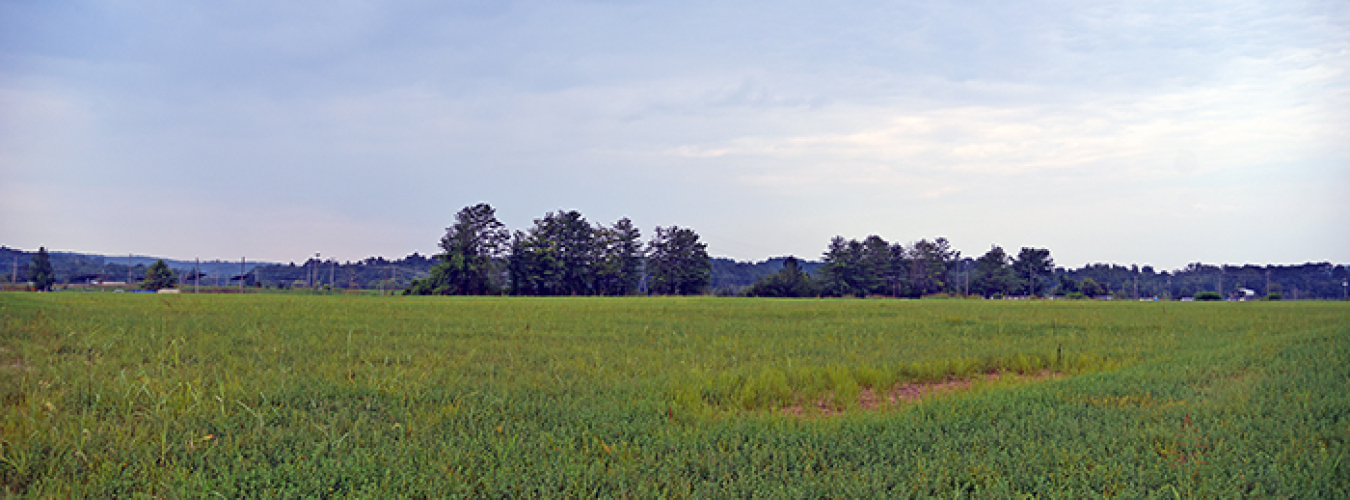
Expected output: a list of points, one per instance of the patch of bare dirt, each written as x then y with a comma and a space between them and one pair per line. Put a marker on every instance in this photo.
869, 399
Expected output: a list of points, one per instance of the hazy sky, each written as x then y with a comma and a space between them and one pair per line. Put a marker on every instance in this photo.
1140, 132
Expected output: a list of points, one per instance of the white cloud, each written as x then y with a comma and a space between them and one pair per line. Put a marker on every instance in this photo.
1123, 137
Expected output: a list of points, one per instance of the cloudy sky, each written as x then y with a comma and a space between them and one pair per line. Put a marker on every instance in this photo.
1141, 132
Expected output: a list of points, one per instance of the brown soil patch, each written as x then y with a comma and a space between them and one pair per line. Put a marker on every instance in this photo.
869, 399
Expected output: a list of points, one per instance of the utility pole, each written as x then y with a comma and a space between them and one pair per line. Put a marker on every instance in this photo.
16, 270
332, 271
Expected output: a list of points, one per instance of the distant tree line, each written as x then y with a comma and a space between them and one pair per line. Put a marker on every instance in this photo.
1303, 281
875, 267
41, 275
563, 254
65, 268
373, 273
82, 269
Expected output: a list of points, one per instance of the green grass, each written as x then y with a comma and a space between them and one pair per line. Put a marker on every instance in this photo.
114, 395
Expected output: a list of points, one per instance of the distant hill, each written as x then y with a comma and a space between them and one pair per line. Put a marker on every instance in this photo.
731, 276
74, 267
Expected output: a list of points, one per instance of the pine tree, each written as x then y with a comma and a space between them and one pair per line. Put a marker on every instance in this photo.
41, 273
158, 276
678, 262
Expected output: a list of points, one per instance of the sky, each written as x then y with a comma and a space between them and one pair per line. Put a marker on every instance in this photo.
1141, 132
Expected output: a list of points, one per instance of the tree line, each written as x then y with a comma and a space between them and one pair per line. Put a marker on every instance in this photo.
372, 273
563, 254
85, 269
1320, 280
41, 274
874, 267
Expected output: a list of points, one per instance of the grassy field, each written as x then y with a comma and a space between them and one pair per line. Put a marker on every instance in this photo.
118, 395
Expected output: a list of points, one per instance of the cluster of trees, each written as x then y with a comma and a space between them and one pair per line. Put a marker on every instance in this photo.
997, 274
875, 267
869, 267
563, 254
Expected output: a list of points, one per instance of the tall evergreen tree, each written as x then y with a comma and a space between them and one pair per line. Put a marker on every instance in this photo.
875, 264
40, 272
618, 264
555, 257
1032, 266
897, 276
858, 268
677, 262
469, 262
993, 273
930, 264
842, 273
